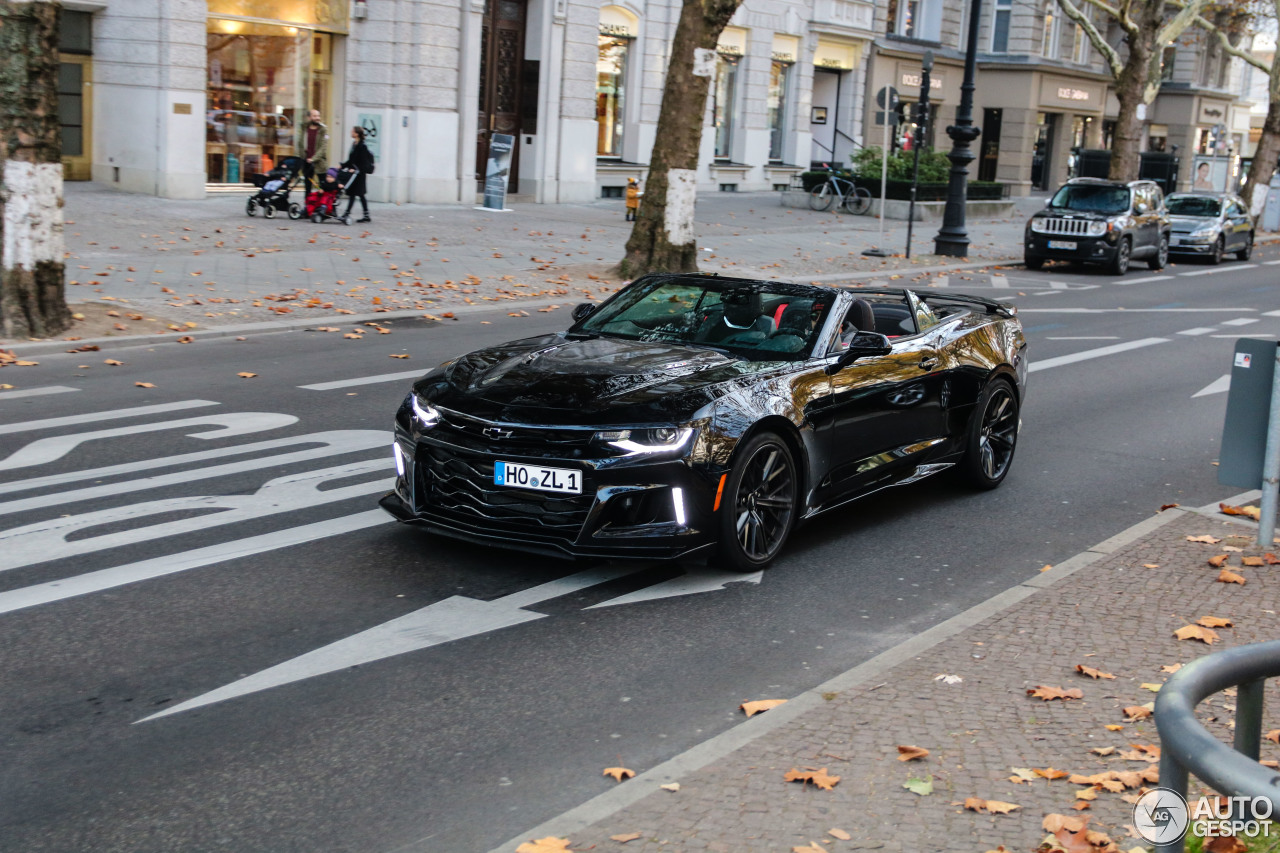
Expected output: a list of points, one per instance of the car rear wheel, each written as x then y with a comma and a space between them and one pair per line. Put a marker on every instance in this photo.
1120, 263
1246, 251
1161, 257
759, 505
1219, 249
992, 436
1032, 262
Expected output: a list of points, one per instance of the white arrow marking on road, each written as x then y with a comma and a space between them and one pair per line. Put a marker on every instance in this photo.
47, 593
47, 540
45, 450
363, 380
1217, 386
93, 417
332, 444
36, 392
1059, 361
455, 618
704, 580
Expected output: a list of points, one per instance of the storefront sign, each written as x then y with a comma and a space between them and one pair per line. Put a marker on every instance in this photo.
835, 55
495, 174
372, 124
1067, 93
1212, 113
912, 80
1078, 95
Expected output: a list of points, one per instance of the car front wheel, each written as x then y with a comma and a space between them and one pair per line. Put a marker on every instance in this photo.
1219, 249
992, 436
1246, 251
1161, 257
1120, 263
759, 505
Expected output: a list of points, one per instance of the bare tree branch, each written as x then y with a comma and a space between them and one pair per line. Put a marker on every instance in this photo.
1095, 37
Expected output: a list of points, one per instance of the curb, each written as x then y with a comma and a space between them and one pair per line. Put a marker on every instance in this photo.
603, 805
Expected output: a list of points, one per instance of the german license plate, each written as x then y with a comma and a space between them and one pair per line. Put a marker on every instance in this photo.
1062, 244
563, 480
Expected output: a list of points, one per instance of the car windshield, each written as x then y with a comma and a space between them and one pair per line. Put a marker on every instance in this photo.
1088, 198
1193, 205
758, 321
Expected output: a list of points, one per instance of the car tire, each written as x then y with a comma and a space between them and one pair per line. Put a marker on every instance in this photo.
1161, 257
1219, 249
1246, 251
992, 436
1033, 262
1120, 263
759, 508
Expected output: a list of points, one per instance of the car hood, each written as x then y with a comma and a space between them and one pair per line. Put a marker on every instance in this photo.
1190, 223
556, 379
1063, 213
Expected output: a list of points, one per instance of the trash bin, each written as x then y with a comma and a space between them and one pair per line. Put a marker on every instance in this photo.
1161, 167
1093, 163
1271, 212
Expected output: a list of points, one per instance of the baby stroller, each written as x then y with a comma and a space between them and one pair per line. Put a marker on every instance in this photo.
322, 204
274, 188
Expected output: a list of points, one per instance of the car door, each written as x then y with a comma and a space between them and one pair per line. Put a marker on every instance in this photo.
881, 414
1236, 225
1146, 215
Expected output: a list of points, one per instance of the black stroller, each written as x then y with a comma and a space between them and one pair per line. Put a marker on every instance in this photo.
274, 188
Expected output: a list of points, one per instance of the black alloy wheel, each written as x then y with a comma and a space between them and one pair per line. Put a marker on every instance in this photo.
1219, 249
759, 505
1120, 263
1246, 251
1161, 257
992, 436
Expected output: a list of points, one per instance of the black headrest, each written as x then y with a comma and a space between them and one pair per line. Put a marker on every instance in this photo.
861, 316
742, 307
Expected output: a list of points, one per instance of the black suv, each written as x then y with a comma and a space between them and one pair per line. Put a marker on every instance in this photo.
1089, 220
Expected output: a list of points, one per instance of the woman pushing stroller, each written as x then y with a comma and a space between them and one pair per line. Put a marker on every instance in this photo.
360, 161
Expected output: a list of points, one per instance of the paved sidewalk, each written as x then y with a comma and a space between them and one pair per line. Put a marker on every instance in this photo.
207, 262
1114, 608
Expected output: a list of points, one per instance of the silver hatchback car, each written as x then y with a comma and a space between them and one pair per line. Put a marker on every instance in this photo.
1210, 225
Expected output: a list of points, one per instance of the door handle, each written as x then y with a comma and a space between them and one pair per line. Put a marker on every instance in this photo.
928, 362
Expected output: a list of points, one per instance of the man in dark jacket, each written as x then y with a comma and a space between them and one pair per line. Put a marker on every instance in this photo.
315, 147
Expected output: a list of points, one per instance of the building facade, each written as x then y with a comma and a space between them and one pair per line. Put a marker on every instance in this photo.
175, 98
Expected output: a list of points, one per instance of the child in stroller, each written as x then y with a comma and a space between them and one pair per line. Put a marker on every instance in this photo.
323, 203
274, 188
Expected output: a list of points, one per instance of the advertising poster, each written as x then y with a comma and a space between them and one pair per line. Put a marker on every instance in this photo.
495, 173
372, 124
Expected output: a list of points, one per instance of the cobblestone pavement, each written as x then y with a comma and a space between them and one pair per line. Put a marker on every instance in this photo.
1117, 614
207, 262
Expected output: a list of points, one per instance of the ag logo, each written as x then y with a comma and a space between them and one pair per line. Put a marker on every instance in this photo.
1160, 816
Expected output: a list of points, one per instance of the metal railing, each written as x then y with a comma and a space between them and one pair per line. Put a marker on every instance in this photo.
1186, 746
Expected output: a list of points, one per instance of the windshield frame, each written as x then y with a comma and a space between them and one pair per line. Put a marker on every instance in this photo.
1174, 198
626, 299
1091, 190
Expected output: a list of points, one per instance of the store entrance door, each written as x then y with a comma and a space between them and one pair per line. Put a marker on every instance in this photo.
990, 141
1042, 169
75, 114
501, 61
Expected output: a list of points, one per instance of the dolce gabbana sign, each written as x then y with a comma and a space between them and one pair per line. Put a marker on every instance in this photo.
1067, 93
1070, 94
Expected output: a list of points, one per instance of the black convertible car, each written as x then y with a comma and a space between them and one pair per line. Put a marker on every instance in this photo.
692, 414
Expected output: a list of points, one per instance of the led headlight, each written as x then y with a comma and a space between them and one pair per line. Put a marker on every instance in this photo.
424, 413
1204, 232
654, 440
1037, 224
1097, 229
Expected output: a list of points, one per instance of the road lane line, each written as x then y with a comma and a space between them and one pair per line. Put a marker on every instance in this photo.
94, 417
1142, 310
1199, 330
1088, 338
1271, 263
45, 450
1145, 279
1212, 271
47, 593
1217, 386
334, 444
999, 282
364, 380
36, 392
1100, 352
1240, 321
1271, 313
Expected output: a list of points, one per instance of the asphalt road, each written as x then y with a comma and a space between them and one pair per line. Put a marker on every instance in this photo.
142, 569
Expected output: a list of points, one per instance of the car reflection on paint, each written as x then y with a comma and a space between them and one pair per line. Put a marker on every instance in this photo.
693, 415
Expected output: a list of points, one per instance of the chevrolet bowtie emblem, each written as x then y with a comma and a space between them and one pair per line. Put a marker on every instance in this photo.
496, 432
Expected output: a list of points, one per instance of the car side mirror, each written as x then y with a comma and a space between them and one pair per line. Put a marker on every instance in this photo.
863, 345
582, 311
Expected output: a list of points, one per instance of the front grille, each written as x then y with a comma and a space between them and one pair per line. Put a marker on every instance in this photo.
458, 487
468, 432
1066, 227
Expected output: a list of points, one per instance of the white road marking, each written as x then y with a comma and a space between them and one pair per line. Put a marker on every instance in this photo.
48, 540
1100, 352
454, 618
1059, 285
1210, 271
1199, 330
1142, 310
1271, 313
699, 580
942, 281
333, 444
1271, 263
364, 380
1217, 386
45, 450
36, 392
1240, 321
1145, 279
1236, 335
59, 590
1088, 338
1046, 293
999, 282
94, 417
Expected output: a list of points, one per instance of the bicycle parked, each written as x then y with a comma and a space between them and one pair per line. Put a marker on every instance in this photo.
853, 198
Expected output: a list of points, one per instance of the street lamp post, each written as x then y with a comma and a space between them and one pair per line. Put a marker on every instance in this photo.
953, 238
922, 122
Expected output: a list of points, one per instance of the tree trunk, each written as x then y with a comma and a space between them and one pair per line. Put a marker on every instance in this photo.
663, 238
1130, 91
32, 299
1265, 156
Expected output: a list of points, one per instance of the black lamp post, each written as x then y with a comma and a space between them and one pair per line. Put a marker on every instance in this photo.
953, 238
922, 123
